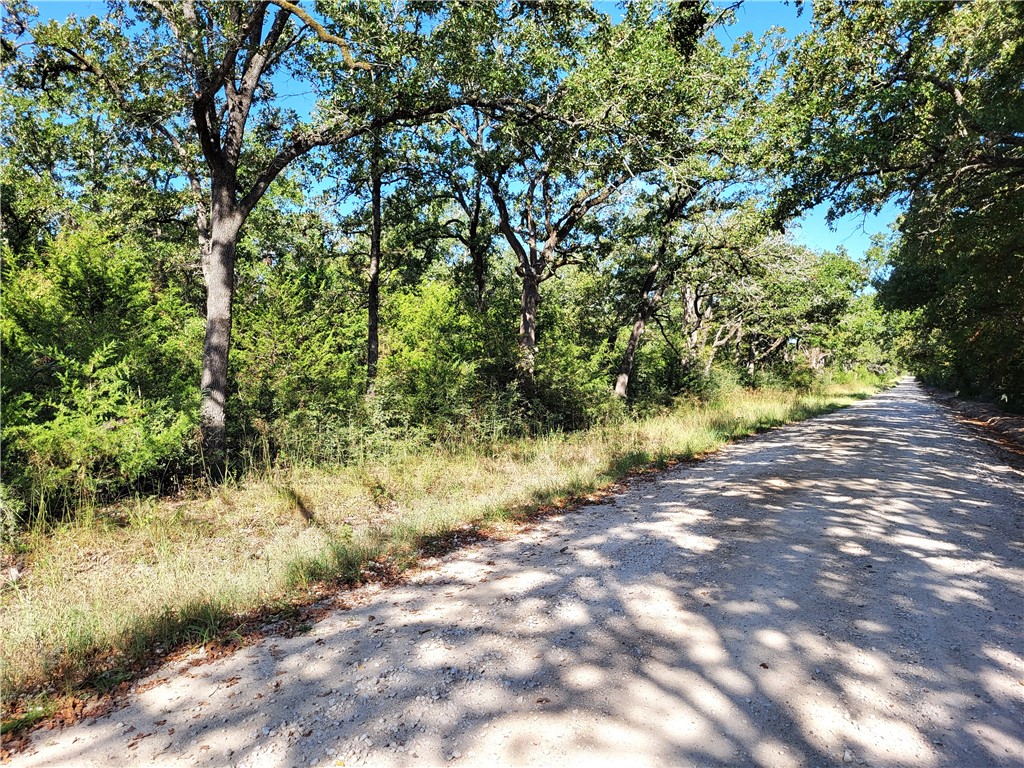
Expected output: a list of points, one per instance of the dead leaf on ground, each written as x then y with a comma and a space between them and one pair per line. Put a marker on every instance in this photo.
139, 737
149, 684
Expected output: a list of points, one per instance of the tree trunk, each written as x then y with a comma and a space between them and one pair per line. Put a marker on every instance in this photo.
373, 292
478, 246
528, 331
626, 365
710, 361
692, 324
719, 342
643, 313
219, 274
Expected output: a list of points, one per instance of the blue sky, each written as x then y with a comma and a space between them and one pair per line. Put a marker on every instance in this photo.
852, 232
60, 10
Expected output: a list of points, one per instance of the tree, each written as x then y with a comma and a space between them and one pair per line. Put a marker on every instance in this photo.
929, 114
195, 85
604, 96
661, 265
933, 100
707, 153
390, 211
455, 175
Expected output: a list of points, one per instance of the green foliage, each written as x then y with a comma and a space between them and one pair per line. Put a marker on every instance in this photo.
428, 375
538, 163
99, 366
962, 289
447, 371
99, 435
574, 362
297, 366
930, 114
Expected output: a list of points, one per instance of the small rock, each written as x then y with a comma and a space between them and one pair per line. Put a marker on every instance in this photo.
847, 756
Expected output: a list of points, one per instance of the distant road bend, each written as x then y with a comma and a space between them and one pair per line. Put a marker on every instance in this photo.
849, 590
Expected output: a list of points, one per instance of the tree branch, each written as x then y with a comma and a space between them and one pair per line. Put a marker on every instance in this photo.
324, 35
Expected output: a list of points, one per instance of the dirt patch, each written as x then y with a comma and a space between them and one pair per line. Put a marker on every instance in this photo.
988, 421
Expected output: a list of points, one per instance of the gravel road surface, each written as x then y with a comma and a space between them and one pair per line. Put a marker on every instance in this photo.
849, 590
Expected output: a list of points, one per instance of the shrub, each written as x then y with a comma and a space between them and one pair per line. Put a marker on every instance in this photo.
100, 436
100, 363
428, 372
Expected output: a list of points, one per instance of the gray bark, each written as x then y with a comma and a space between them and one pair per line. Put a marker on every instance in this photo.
219, 276
643, 315
479, 244
528, 330
648, 305
373, 291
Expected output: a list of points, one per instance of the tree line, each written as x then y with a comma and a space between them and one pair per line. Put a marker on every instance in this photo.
281, 231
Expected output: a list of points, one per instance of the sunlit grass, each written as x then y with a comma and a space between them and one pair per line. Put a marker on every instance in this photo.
154, 574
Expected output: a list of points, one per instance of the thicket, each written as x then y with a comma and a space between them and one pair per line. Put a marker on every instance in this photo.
101, 347
531, 220
99, 366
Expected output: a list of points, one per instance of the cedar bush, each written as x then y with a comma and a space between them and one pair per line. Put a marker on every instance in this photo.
100, 362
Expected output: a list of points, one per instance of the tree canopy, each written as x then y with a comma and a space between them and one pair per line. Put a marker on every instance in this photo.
923, 103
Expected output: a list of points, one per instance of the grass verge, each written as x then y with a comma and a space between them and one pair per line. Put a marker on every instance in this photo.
101, 599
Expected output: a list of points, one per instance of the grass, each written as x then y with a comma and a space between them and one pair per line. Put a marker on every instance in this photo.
32, 714
101, 597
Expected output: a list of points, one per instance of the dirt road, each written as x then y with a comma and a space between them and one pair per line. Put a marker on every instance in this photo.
849, 590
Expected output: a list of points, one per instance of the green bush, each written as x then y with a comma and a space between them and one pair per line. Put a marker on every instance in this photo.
100, 436
574, 361
100, 364
428, 371
297, 363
